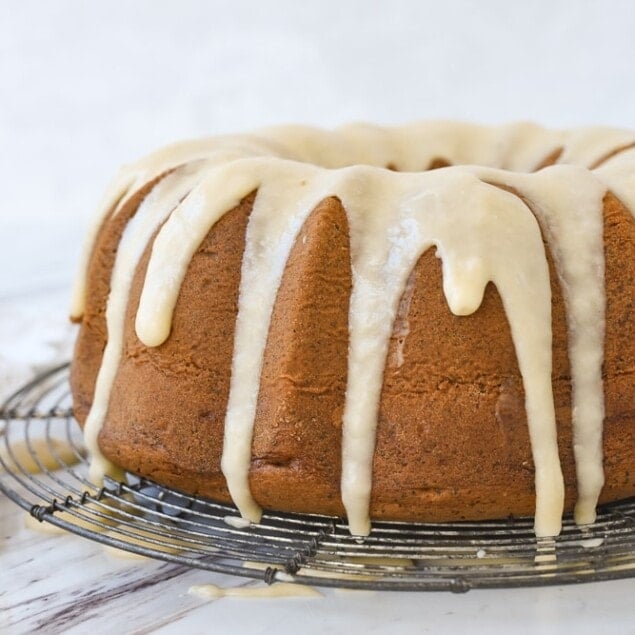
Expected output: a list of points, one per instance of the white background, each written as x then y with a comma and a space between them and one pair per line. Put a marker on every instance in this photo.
85, 86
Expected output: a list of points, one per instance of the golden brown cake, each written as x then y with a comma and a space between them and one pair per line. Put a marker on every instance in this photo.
315, 321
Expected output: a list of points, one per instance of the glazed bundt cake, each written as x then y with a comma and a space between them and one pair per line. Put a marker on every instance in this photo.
432, 322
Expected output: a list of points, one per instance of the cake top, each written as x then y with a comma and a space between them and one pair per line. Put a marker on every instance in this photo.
486, 214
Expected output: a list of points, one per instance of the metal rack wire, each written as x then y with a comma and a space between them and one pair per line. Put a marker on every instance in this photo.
45, 472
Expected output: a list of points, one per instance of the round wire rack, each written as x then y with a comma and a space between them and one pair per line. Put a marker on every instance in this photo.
45, 472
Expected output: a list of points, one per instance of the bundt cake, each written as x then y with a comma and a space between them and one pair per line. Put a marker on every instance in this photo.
425, 323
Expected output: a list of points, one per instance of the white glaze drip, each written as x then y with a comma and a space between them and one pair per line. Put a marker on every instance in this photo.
151, 213
618, 174
115, 192
175, 245
568, 204
461, 216
280, 209
270, 591
393, 218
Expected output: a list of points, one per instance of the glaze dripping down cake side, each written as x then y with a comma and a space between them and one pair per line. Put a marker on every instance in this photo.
315, 321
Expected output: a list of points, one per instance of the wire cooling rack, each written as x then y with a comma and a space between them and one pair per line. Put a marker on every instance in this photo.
45, 472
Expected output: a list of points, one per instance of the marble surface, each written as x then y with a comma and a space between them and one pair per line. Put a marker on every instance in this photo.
86, 86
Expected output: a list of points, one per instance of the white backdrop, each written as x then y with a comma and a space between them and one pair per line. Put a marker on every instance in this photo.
85, 86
